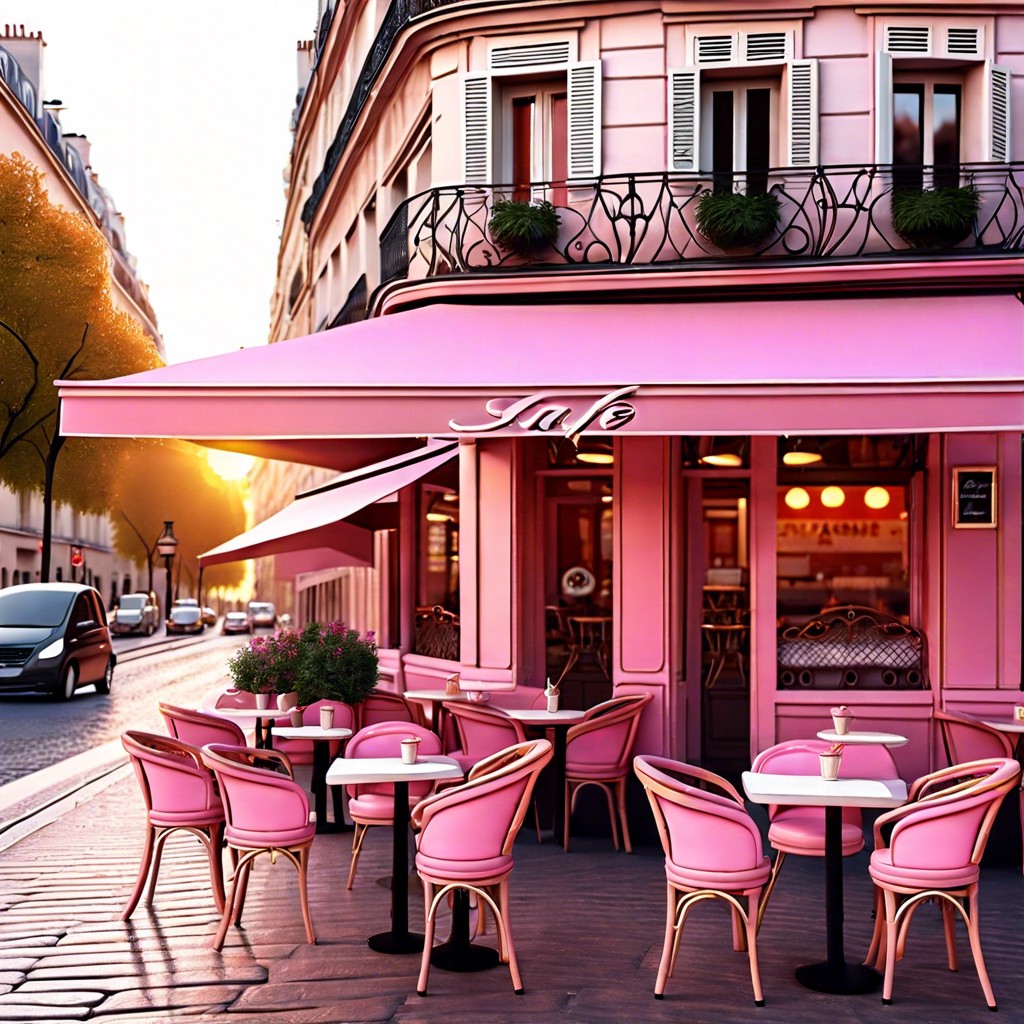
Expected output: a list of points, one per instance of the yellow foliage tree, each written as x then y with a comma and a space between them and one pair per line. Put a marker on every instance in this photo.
172, 480
57, 320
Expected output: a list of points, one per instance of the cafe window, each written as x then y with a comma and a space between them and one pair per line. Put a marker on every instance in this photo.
437, 588
843, 525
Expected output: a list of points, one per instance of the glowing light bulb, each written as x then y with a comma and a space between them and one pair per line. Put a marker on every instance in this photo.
797, 498
833, 497
876, 497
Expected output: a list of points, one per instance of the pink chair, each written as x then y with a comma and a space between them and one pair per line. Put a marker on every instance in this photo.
373, 803
180, 797
301, 751
932, 852
966, 739
387, 707
712, 850
801, 830
482, 731
466, 835
232, 698
200, 728
598, 752
266, 812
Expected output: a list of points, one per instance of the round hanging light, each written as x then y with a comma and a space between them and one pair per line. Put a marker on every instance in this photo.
797, 498
833, 497
876, 497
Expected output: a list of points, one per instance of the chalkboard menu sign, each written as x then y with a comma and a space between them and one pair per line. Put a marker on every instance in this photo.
974, 497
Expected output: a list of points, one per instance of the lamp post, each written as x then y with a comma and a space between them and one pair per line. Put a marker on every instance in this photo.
167, 545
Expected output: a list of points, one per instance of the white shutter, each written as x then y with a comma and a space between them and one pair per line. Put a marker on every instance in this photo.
476, 129
1000, 83
883, 108
684, 119
585, 119
803, 113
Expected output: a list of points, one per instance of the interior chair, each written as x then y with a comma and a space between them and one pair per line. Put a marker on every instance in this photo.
380, 706
266, 813
966, 739
373, 803
482, 731
465, 839
931, 848
301, 751
801, 830
200, 728
713, 850
180, 797
597, 753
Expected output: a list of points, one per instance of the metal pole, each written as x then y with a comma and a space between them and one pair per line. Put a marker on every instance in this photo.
168, 559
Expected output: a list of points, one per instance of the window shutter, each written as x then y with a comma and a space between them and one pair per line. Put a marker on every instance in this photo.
1000, 81
585, 119
803, 113
476, 129
684, 119
883, 108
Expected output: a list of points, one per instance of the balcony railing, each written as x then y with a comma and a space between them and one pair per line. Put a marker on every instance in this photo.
837, 213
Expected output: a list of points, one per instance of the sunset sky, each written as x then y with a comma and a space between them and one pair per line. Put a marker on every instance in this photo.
187, 104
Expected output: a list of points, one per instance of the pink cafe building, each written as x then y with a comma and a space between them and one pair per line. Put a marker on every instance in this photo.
752, 476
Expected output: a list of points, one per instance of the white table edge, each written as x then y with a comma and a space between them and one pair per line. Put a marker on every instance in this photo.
393, 769
819, 792
311, 732
884, 739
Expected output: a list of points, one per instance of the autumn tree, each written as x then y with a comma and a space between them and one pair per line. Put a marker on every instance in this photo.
172, 480
57, 321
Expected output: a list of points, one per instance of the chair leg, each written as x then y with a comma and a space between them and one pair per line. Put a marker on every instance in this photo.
229, 905
665, 966
876, 951
890, 945
140, 882
620, 789
505, 931
303, 867
567, 802
974, 934
750, 921
536, 821
772, 879
612, 813
216, 865
949, 927
357, 847
428, 937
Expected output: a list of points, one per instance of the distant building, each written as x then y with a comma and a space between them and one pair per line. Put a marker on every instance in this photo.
30, 125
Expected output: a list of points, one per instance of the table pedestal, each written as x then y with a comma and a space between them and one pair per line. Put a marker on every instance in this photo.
399, 939
835, 975
321, 762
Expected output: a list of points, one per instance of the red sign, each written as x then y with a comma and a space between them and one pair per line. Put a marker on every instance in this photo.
76, 556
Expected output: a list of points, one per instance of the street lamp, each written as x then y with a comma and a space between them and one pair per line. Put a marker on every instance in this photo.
167, 545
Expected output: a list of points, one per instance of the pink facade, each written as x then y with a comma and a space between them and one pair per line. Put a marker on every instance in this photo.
628, 333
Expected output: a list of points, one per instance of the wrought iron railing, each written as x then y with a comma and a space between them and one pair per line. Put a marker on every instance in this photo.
829, 213
354, 308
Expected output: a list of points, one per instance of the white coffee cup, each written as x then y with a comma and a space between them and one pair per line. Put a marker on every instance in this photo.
327, 716
552, 703
409, 748
262, 701
830, 766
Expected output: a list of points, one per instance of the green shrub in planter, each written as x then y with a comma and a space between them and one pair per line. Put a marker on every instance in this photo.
733, 220
934, 218
523, 228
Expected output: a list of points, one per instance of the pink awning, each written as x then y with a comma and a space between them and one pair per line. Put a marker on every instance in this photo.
317, 518
808, 365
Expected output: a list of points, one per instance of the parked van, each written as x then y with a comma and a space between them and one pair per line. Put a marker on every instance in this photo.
262, 614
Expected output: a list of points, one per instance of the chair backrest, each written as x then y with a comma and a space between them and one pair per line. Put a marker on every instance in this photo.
700, 830
483, 730
200, 728
968, 740
384, 739
232, 698
949, 828
607, 733
479, 820
387, 707
260, 805
171, 774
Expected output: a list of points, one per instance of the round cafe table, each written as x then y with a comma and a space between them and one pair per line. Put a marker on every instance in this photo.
260, 718
353, 770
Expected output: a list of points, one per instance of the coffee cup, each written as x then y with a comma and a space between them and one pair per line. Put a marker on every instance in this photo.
552, 703
841, 718
409, 749
327, 716
830, 765
296, 716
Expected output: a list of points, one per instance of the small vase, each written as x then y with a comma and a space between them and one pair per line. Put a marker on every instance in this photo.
262, 701
286, 701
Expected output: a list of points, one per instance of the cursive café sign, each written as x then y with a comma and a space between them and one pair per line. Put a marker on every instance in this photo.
542, 413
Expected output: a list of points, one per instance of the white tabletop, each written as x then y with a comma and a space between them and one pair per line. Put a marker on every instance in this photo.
814, 791
540, 716
1004, 723
436, 695
311, 732
346, 770
884, 739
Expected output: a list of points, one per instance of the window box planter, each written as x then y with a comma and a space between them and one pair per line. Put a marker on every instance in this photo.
732, 220
523, 228
934, 218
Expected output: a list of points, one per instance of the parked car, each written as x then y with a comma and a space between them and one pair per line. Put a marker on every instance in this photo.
209, 616
135, 613
185, 602
54, 638
185, 618
236, 622
262, 614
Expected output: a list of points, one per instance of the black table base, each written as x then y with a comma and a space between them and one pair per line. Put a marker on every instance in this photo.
846, 980
458, 953
396, 942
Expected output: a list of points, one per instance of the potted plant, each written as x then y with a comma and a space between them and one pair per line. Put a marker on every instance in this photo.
267, 665
335, 663
733, 220
523, 228
934, 218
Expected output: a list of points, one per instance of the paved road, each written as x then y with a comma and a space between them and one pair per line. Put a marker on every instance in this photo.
36, 732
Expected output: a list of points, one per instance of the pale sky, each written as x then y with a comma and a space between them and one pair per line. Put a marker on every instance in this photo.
187, 104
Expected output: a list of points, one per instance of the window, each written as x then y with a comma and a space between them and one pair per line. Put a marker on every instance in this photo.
926, 131
534, 138
739, 132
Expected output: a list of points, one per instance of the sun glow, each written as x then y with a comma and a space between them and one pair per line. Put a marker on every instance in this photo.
229, 465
